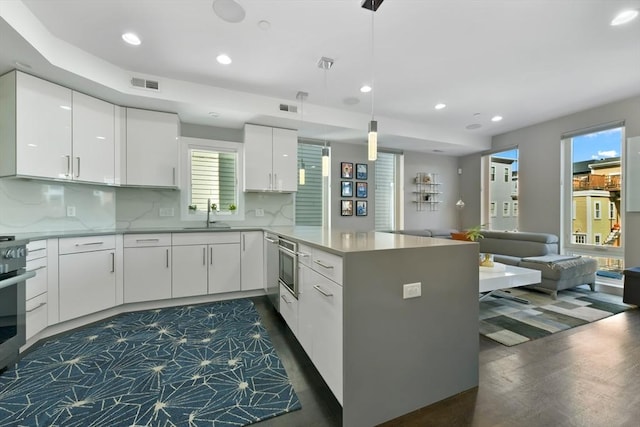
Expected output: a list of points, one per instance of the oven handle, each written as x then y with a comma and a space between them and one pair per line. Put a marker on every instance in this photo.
17, 279
289, 251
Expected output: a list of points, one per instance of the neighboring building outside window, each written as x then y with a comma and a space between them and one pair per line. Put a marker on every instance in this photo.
612, 210
493, 173
507, 173
597, 210
515, 209
492, 209
597, 239
506, 209
499, 195
580, 239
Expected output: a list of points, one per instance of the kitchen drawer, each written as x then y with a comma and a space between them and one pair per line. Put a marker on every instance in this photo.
36, 315
146, 240
211, 238
37, 285
36, 249
72, 245
305, 254
329, 265
289, 309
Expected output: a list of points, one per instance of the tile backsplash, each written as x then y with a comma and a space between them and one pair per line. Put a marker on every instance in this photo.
35, 206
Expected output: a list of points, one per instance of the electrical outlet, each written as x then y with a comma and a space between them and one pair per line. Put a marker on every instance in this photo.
259, 212
71, 211
412, 290
166, 211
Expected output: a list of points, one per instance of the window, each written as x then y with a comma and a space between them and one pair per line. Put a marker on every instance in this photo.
309, 195
506, 209
211, 172
387, 209
501, 193
593, 165
612, 210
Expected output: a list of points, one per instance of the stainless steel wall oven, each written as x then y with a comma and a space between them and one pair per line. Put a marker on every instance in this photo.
288, 270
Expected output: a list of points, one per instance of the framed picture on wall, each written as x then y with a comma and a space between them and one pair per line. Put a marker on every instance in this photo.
361, 190
361, 208
346, 207
346, 189
346, 170
361, 171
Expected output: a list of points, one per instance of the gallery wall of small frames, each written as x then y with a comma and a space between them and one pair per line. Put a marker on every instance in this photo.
353, 183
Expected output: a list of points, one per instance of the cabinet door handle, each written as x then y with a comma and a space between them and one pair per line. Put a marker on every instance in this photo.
36, 307
35, 250
211, 256
322, 264
302, 254
322, 291
89, 244
244, 246
174, 176
68, 166
204, 256
38, 268
275, 181
78, 169
284, 298
270, 182
167, 258
147, 240
270, 240
113, 262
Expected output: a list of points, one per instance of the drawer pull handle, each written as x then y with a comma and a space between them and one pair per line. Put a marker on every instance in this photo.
322, 291
89, 244
37, 307
285, 299
303, 254
270, 240
36, 250
147, 240
322, 264
38, 268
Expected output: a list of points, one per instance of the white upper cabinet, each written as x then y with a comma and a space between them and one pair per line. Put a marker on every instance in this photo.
152, 148
270, 159
93, 139
35, 127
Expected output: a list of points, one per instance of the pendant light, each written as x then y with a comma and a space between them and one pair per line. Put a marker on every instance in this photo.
301, 171
372, 138
325, 64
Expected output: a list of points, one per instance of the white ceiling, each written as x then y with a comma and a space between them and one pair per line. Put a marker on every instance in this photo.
527, 60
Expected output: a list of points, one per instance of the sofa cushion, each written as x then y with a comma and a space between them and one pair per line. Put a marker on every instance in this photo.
559, 267
517, 248
521, 235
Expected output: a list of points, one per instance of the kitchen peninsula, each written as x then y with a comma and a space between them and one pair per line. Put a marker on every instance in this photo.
399, 355
381, 354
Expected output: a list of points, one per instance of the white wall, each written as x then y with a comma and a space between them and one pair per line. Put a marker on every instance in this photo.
446, 215
539, 175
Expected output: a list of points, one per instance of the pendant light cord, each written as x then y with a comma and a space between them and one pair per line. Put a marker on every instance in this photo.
373, 60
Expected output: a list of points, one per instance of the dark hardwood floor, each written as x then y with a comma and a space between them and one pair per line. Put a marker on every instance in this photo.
588, 376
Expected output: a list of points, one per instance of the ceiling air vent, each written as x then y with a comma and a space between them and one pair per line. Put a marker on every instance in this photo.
289, 108
141, 83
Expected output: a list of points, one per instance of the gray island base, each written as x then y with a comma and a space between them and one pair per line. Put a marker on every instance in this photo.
400, 355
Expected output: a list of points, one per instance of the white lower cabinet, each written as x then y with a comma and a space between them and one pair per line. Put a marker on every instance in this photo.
206, 263
87, 279
320, 325
289, 309
251, 261
36, 288
147, 267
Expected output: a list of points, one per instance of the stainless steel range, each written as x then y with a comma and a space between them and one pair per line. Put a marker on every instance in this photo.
13, 260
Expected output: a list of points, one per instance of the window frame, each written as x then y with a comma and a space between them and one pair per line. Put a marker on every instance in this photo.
187, 144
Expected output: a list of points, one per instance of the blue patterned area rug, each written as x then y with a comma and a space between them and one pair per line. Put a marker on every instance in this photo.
210, 364
509, 322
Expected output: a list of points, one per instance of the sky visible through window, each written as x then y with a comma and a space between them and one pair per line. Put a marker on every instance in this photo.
598, 145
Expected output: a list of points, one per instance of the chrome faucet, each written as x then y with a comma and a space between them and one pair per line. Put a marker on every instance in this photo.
208, 212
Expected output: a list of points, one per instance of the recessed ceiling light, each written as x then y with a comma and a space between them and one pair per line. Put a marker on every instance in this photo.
131, 38
365, 89
223, 59
624, 17
496, 118
440, 106
214, 114
229, 10
264, 25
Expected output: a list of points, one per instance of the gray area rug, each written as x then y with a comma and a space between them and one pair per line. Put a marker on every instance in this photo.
509, 322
